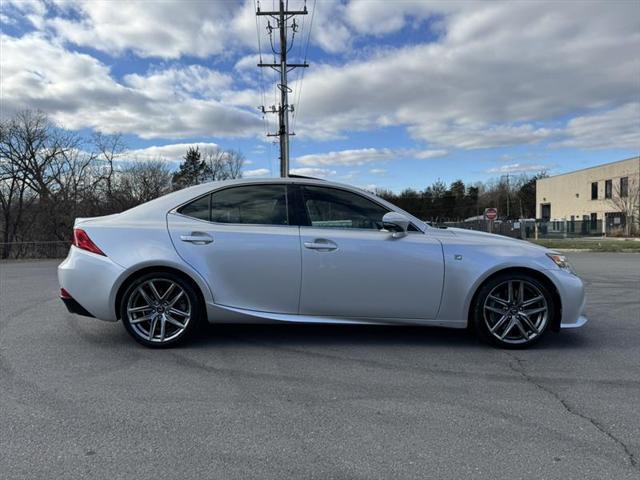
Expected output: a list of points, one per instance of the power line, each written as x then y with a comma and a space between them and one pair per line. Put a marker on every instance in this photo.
301, 76
282, 16
261, 81
301, 54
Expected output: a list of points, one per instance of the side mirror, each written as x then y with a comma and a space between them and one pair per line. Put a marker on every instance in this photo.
396, 223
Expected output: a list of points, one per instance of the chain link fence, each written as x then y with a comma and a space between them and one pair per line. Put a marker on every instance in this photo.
26, 250
534, 229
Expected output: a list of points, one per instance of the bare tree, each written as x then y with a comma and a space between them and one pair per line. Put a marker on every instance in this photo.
223, 164
235, 160
143, 181
49, 176
109, 149
14, 196
626, 200
33, 144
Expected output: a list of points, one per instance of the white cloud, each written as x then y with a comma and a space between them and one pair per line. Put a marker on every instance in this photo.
481, 135
518, 168
173, 152
189, 81
364, 156
371, 187
31, 10
425, 154
79, 92
7, 19
171, 29
501, 74
493, 74
330, 31
378, 18
258, 172
248, 62
313, 172
378, 171
168, 29
347, 157
616, 128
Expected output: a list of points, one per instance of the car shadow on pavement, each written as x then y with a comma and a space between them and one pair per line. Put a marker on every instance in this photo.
345, 335
300, 335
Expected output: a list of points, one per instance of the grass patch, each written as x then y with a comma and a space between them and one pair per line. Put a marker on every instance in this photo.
590, 244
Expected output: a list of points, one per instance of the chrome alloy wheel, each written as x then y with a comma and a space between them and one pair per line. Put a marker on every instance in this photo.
159, 310
516, 311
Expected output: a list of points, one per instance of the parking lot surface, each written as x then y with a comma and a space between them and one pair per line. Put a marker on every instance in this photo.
80, 399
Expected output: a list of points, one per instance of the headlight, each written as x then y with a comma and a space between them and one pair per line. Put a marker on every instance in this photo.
562, 262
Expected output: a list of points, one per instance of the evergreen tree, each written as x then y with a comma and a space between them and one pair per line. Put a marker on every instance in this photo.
192, 171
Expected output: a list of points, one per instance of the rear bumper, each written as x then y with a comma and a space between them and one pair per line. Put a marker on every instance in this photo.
75, 307
89, 279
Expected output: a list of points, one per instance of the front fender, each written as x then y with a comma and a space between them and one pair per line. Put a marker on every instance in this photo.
468, 266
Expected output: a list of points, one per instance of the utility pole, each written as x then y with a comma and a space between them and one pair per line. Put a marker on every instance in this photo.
508, 195
282, 17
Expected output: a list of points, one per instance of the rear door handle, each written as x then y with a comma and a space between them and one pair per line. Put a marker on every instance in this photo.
197, 238
321, 244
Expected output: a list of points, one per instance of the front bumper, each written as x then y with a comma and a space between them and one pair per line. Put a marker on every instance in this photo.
580, 321
572, 297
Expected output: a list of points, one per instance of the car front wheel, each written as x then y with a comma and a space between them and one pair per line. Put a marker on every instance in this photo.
160, 309
513, 310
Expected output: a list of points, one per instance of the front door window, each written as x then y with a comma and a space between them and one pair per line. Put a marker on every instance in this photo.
335, 208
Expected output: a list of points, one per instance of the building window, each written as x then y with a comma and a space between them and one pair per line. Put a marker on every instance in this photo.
607, 188
624, 187
594, 221
594, 190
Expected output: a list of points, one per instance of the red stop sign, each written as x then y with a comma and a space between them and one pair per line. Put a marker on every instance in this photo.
490, 213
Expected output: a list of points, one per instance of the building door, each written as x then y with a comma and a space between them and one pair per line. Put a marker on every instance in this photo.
545, 211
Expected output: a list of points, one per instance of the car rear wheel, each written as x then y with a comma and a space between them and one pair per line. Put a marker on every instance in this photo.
513, 311
160, 309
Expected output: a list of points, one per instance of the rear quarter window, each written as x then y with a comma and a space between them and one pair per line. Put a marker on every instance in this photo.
247, 204
199, 208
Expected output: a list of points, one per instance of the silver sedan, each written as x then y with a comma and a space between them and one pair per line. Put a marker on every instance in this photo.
305, 250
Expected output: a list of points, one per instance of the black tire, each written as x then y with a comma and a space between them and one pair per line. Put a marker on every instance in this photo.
531, 332
167, 334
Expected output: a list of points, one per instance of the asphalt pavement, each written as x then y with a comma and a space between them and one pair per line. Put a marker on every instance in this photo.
80, 399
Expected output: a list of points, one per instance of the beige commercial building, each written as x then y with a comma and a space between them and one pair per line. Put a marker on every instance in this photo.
598, 197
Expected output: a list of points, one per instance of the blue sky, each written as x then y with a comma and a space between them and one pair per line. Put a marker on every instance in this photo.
398, 94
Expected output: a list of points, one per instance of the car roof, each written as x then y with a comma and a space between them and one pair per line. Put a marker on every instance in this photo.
167, 203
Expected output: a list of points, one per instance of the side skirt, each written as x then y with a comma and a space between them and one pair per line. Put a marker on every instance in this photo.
223, 314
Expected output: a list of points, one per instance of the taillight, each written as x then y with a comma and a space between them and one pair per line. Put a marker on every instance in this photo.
83, 242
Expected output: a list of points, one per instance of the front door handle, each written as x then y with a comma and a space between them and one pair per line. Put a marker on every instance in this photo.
197, 238
321, 244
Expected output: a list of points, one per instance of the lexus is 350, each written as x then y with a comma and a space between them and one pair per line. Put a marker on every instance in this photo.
306, 250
